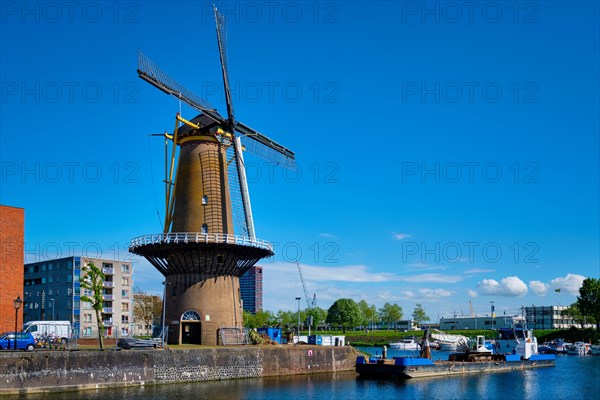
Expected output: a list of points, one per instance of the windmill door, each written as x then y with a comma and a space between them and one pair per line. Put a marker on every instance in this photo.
190, 332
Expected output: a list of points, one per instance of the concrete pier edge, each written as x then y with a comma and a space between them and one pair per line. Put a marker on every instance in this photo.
65, 371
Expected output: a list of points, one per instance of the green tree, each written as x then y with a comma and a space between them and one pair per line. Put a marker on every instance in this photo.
263, 318
391, 313
344, 313
573, 312
319, 316
588, 301
419, 314
286, 318
92, 280
249, 321
368, 313
147, 308
259, 319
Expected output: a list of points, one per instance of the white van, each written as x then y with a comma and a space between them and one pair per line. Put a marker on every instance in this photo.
51, 329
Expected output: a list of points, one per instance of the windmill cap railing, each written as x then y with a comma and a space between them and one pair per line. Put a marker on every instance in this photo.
198, 237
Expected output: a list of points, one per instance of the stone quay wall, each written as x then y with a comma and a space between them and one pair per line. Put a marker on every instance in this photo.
52, 371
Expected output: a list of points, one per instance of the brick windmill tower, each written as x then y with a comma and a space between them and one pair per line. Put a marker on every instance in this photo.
208, 240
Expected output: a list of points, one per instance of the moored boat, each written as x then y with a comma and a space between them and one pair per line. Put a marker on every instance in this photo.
518, 339
578, 349
405, 344
479, 359
448, 342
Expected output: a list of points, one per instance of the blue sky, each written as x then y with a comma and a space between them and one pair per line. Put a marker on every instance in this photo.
446, 153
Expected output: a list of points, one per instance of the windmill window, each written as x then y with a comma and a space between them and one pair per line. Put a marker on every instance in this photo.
204, 199
204, 229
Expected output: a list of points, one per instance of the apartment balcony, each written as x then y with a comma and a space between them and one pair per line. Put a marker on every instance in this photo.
107, 310
108, 271
108, 323
107, 297
109, 284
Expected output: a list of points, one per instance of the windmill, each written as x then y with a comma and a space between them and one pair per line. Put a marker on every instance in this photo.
208, 239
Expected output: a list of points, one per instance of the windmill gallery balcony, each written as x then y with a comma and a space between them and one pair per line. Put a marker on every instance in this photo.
202, 253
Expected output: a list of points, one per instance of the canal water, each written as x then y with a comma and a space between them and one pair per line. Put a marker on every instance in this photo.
573, 377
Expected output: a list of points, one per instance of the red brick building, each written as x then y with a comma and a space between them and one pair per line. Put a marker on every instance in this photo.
12, 237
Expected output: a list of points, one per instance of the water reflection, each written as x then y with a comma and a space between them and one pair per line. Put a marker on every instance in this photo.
573, 377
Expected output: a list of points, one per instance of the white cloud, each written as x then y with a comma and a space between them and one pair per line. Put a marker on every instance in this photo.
478, 270
569, 283
538, 287
431, 278
401, 236
326, 235
427, 293
356, 273
509, 286
282, 284
427, 267
471, 293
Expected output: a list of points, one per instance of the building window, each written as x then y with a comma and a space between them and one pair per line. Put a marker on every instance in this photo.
204, 229
125, 306
125, 268
125, 294
50, 292
205, 199
190, 316
124, 319
50, 267
125, 281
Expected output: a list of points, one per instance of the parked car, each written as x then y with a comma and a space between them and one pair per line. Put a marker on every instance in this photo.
25, 341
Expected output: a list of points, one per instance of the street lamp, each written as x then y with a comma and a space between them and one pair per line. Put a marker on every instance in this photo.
18, 302
298, 300
52, 300
162, 331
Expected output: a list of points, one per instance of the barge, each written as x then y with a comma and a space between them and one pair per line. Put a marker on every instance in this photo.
476, 360
418, 367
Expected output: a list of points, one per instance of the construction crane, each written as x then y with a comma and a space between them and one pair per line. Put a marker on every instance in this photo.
310, 303
471, 309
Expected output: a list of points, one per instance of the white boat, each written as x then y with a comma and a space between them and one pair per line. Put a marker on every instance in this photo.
449, 342
578, 349
405, 344
595, 349
517, 339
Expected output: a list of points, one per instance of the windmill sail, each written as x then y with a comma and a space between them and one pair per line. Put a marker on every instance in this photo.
255, 142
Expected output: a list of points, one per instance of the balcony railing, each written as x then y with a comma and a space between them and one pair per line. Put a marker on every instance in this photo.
107, 297
109, 284
107, 310
107, 323
197, 237
108, 271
